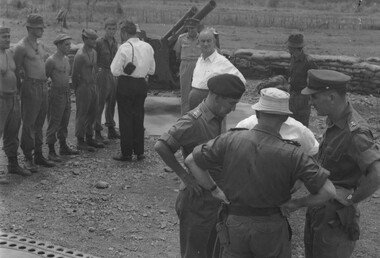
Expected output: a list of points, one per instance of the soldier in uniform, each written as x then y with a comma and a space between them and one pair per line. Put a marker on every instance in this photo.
83, 77
30, 56
349, 152
300, 63
57, 68
195, 206
259, 169
106, 48
187, 51
10, 114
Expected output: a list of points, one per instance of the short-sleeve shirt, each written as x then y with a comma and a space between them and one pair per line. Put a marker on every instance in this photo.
197, 126
105, 51
298, 71
189, 48
348, 149
259, 167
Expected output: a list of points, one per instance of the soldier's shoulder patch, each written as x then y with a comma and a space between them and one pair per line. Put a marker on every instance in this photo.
237, 129
295, 143
195, 113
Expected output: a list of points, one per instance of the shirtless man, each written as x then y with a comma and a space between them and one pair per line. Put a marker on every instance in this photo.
83, 77
30, 58
10, 114
58, 69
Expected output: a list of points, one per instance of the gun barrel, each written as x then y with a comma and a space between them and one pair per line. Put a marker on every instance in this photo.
199, 15
179, 24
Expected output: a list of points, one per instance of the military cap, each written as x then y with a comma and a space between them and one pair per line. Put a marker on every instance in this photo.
60, 38
192, 22
35, 20
226, 85
323, 80
110, 22
4, 30
273, 101
89, 33
295, 41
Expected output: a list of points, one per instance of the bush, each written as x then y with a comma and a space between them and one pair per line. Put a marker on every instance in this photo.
273, 3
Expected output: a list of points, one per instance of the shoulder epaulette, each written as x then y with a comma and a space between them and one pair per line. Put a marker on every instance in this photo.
237, 129
295, 143
195, 113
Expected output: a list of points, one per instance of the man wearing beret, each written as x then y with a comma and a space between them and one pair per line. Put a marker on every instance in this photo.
187, 51
300, 63
83, 78
132, 64
209, 64
259, 169
350, 153
10, 114
106, 48
30, 56
195, 206
57, 68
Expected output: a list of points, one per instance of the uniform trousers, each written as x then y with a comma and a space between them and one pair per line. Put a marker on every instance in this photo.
87, 106
130, 96
321, 238
300, 106
197, 220
58, 114
34, 104
257, 237
106, 85
10, 122
186, 70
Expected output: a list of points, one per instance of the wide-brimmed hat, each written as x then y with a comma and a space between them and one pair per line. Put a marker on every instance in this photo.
323, 80
35, 20
296, 41
273, 101
192, 22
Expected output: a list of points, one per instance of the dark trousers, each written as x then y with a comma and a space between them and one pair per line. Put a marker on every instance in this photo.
300, 106
106, 85
33, 112
58, 114
322, 238
87, 106
130, 95
10, 121
197, 220
261, 236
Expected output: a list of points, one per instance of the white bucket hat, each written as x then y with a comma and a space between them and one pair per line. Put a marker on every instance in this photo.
273, 101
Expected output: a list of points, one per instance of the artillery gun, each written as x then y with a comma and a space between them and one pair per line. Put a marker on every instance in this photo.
167, 66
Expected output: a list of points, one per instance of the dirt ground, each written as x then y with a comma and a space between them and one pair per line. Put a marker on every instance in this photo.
134, 216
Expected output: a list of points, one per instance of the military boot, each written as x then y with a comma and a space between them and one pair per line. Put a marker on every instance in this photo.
29, 164
93, 143
39, 159
3, 178
64, 149
99, 138
82, 145
53, 155
112, 133
14, 167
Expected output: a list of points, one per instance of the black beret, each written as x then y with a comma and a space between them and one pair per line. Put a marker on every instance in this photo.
226, 85
323, 80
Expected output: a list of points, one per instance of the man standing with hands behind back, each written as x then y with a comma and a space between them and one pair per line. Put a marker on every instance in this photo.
30, 58
133, 62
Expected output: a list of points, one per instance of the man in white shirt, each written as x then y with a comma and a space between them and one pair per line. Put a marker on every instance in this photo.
209, 64
132, 90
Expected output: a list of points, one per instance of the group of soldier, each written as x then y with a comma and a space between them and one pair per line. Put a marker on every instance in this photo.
236, 189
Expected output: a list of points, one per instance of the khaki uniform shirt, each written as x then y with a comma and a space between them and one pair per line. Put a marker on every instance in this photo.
348, 149
259, 167
188, 48
298, 71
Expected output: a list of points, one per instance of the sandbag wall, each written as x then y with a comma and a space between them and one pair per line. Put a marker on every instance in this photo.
259, 64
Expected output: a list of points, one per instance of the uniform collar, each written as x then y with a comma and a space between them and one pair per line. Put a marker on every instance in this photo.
300, 58
267, 130
206, 112
342, 122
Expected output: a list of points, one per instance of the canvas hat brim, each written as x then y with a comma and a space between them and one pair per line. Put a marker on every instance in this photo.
259, 107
